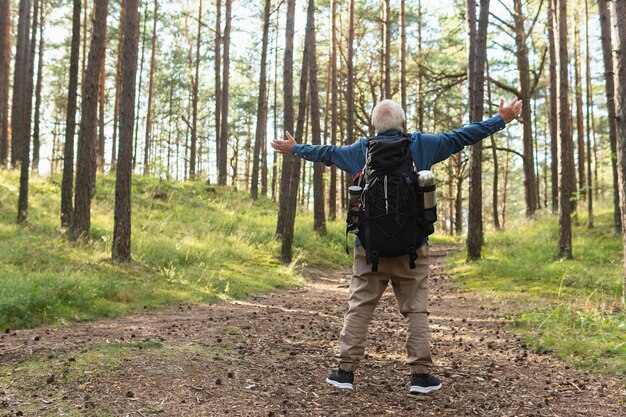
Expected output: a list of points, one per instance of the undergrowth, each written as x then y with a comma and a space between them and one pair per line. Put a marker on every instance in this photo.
570, 307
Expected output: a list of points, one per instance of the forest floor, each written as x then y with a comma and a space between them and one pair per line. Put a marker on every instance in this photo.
270, 355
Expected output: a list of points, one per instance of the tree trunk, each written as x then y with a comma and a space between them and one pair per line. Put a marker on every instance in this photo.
19, 120
565, 221
36, 130
420, 78
290, 165
332, 188
148, 137
350, 78
530, 181
609, 84
29, 57
118, 85
5, 65
70, 123
218, 82
554, 139
143, 47
84, 58
86, 157
589, 185
620, 112
225, 98
478, 57
122, 228
580, 133
494, 155
387, 56
261, 121
319, 218
403, 55
195, 86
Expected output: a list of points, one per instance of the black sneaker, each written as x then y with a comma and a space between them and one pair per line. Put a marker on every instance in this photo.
341, 379
424, 383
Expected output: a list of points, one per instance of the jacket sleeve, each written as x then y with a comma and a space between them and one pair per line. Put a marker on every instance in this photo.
350, 158
436, 148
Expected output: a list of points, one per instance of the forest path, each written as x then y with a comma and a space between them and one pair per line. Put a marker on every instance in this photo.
270, 355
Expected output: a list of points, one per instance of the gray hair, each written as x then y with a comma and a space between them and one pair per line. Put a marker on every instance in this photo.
388, 115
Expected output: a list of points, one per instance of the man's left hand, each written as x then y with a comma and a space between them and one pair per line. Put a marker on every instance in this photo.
511, 111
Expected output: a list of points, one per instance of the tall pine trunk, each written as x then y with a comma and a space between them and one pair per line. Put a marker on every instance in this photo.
387, 46
589, 114
148, 138
101, 103
218, 82
554, 128
332, 188
620, 112
5, 65
70, 123
319, 218
19, 122
609, 84
261, 121
22, 202
195, 86
403, 55
118, 85
478, 56
86, 157
284, 227
122, 227
578, 90
225, 98
565, 135
36, 128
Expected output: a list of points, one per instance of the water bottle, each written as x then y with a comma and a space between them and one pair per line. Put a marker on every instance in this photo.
354, 206
427, 194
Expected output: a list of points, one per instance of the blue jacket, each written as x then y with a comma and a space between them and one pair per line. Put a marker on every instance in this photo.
427, 149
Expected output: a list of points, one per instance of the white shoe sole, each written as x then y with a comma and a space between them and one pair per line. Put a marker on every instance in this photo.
424, 390
340, 385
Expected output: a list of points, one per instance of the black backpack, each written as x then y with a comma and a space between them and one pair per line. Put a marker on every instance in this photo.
388, 217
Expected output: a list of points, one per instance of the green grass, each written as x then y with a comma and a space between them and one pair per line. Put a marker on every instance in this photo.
570, 307
189, 245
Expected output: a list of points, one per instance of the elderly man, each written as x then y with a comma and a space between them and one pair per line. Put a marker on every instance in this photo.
410, 285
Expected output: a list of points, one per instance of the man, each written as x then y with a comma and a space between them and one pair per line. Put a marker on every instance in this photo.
410, 286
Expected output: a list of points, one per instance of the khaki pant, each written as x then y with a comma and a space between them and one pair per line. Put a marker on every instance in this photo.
410, 287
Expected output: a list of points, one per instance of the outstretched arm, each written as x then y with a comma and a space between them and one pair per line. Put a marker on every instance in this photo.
350, 158
437, 148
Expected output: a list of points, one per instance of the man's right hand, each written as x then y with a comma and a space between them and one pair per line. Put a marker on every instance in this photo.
511, 111
284, 147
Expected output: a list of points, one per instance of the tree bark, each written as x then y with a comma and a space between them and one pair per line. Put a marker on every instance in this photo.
619, 9
387, 56
290, 165
70, 123
420, 76
101, 104
580, 133
36, 130
5, 69
478, 57
589, 185
148, 137
261, 121
554, 136
609, 84
22, 202
530, 180
332, 188
118, 85
319, 218
565, 134
86, 157
195, 86
19, 120
121, 250
403, 55
494, 155
143, 47
225, 98
218, 82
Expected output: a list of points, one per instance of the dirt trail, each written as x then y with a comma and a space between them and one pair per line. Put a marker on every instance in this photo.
269, 356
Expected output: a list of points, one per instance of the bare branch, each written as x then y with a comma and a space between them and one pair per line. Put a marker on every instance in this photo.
506, 87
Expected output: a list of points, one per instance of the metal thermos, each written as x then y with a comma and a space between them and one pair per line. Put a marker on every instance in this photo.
426, 181
427, 191
354, 194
